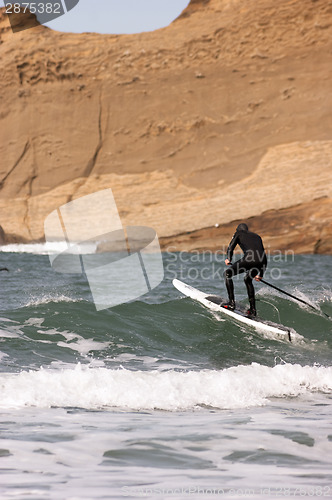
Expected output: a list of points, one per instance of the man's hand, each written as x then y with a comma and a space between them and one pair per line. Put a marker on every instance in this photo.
258, 278
228, 262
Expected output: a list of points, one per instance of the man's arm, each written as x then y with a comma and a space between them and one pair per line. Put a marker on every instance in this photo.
260, 274
231, 247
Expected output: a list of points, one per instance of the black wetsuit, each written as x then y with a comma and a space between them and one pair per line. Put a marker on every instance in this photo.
252, 263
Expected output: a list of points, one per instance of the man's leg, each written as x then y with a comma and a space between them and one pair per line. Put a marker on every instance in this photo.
251, 290
236, 268
228, 274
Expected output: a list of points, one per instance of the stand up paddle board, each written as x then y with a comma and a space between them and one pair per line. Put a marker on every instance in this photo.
215, 303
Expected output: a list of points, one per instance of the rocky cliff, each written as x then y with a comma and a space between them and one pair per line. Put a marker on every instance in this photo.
225, 115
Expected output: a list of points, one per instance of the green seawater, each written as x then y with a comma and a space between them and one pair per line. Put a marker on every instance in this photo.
160, 397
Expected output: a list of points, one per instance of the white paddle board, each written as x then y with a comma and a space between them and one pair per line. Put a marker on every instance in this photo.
214, 302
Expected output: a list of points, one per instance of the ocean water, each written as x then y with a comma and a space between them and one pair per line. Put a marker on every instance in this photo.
160, 397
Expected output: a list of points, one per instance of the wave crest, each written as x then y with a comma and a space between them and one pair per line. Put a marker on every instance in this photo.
91, 388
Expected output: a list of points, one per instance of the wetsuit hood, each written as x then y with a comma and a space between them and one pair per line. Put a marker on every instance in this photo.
242, 227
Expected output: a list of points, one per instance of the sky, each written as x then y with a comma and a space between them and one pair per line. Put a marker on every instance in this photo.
117, 16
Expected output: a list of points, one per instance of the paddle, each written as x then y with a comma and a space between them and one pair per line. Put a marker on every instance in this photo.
293, 297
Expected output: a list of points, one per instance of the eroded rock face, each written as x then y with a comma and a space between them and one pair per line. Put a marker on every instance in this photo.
303, 228
222, 116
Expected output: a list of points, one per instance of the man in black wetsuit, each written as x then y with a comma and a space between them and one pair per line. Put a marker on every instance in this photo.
253, 263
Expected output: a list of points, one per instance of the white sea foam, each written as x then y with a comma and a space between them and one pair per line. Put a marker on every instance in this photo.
236, 387
313, 300
3, 355
34, 321
55, 247
83, 346
10, 333
46, 299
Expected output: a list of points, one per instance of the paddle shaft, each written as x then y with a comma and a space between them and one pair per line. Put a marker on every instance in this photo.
293, 297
